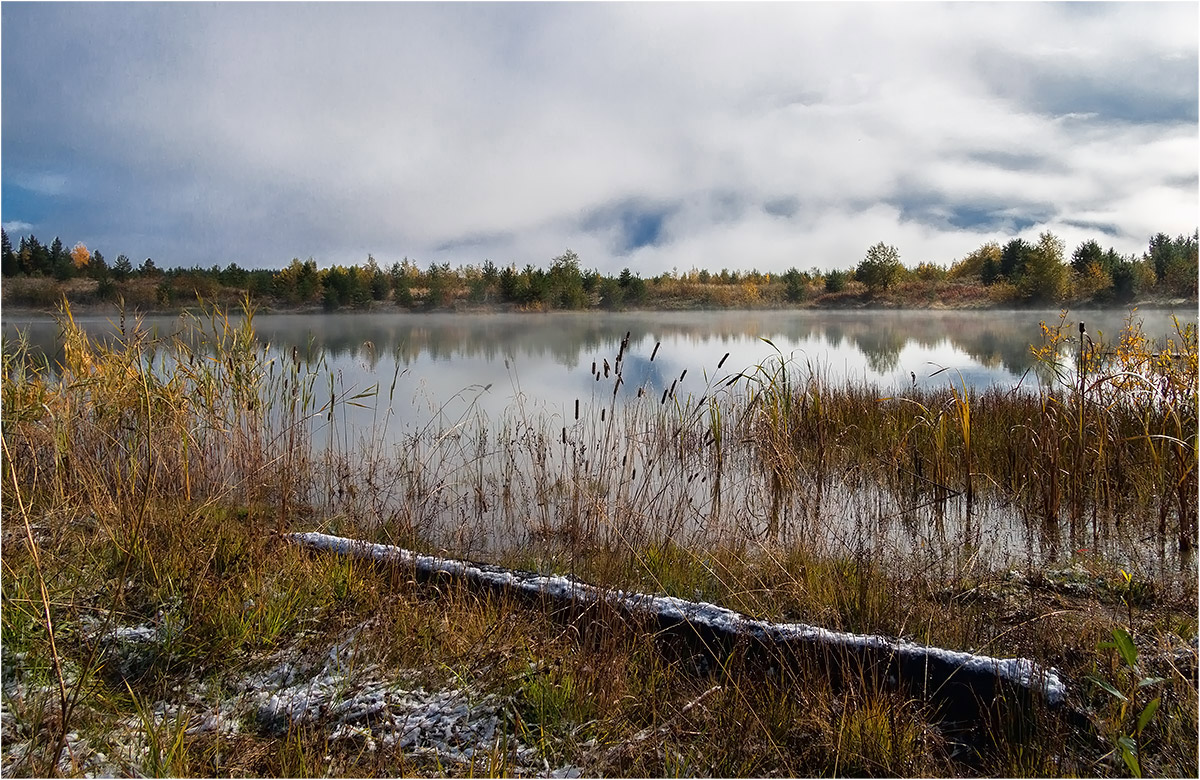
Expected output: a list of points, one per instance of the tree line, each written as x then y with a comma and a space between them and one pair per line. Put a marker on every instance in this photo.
1015, 273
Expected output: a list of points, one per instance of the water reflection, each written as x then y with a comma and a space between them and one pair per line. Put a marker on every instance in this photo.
877, 346
425, 368
480, 411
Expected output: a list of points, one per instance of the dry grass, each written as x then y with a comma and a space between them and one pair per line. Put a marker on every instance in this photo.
145, 483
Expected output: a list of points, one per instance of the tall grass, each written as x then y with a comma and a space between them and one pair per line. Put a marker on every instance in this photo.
151, 475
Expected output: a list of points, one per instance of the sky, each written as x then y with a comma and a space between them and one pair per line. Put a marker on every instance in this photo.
653, 136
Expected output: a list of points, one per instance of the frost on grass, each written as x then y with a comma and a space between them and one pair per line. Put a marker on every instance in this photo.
352, 701
1018, 671
357, 703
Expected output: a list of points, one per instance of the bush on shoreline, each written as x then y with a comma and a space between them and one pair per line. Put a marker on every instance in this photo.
146, 584
1018, 274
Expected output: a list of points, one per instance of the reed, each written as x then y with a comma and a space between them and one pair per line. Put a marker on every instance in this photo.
151, 476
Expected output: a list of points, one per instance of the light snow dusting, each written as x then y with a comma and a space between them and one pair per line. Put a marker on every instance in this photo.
1018, 671
358, 704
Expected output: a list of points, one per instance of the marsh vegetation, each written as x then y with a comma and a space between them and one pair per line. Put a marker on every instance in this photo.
152, 607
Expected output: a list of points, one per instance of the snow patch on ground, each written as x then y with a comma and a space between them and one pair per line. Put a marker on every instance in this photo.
354, 701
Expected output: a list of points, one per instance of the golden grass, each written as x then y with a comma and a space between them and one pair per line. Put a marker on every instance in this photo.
145, 482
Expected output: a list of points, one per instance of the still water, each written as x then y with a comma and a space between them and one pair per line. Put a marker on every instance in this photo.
430, 365
468, 426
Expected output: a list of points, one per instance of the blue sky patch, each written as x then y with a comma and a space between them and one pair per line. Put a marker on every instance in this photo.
782, 207
1107, 228
637, 224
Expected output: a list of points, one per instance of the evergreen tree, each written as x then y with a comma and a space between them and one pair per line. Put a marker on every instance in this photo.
57, 253
508, 284
8, 258
795, 285
1013, 259
1085, 254
1161, 254
32, 257
835, 281
122, 269
97, 267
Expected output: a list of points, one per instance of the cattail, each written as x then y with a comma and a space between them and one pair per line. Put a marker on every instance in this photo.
673, 388
723, 360
602, 411
657, 344
664, 398
641, 392
606, 368
681, 376
564, 436
576, 408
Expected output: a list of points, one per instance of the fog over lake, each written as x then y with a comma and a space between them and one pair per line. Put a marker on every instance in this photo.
439, 369
543, 362
472, 406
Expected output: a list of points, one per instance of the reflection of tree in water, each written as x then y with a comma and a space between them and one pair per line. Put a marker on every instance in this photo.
993, 338
834, 335
991, 349
881, 346
441, 338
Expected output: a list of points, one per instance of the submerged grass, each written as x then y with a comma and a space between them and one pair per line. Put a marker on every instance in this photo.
146, 481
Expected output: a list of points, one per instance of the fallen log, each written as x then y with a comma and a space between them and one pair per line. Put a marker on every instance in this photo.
965, 686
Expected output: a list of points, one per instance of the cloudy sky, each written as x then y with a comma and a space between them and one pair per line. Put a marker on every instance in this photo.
653, 136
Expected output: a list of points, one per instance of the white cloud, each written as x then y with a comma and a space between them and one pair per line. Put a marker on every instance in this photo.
459, 132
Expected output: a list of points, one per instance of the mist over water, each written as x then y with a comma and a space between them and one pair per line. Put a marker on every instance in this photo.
441, 363
480, 411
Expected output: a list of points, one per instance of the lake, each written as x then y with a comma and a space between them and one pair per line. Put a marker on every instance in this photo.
442, 362
487, 430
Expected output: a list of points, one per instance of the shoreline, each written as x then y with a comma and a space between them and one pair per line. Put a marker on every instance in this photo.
112, 309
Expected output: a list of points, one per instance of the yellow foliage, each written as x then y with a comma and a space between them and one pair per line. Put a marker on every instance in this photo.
80, 255
1092, 280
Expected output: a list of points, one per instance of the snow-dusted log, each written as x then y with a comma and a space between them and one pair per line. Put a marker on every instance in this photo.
964, 684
